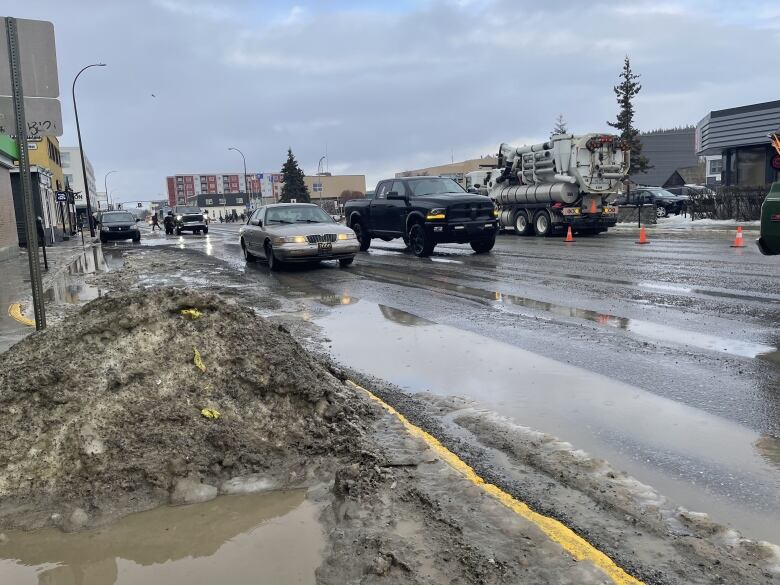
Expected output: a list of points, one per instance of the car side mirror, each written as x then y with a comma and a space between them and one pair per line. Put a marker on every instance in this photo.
259, 223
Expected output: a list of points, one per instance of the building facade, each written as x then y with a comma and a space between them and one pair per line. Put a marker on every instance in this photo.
184, 189
218, 205
45, 153
9, 240
455, 170
330, 187
740, 137
74, 178
666, 151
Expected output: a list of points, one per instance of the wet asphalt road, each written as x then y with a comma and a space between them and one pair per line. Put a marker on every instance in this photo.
661, 359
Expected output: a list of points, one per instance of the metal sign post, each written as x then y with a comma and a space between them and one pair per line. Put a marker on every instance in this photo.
15, 65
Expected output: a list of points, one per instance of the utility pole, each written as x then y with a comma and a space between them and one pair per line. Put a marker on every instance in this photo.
31, 228
105, 188
246, 179
81, 148
319, 176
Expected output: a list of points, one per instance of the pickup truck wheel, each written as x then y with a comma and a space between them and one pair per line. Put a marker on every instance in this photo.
205, 231
248, 256
542, 224
522, 225
660, 211
178, 231
483, 246
422, 245
274, 264
362, 235
344, 262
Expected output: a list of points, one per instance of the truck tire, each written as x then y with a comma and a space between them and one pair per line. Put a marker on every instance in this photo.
422, 244
362, 235
483, 246
521, 223
205, 231
542, 224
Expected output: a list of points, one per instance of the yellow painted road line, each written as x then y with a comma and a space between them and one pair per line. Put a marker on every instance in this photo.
575, 545
15, 312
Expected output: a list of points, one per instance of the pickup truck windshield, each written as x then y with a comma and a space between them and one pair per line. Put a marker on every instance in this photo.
297, 214
188, 210
434, 186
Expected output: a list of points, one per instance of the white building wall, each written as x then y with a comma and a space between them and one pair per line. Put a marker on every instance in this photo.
74, 176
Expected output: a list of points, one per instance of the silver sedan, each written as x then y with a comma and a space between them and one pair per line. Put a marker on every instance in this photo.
296, 232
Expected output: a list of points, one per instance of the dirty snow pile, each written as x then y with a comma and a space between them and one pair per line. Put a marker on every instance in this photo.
161, 396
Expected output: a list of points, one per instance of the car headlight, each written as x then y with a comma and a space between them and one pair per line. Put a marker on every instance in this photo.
178, 218
495, 212
349, 236
439, 213
103, 228
290, 240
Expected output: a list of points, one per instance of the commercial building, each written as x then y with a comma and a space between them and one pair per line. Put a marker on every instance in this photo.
184, 189
328, 187
45, 153
74, 178
668, 151
455, 170
46, 206
9, 240
221, 204
740, 137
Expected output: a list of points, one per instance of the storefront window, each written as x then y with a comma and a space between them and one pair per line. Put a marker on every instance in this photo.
751, 166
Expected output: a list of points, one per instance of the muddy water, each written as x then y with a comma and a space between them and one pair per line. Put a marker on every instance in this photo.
256, 539
701, 461
69, 286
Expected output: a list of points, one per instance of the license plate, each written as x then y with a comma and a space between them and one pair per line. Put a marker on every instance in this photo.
324, 247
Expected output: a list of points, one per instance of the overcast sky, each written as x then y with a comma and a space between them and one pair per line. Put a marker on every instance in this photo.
386, 85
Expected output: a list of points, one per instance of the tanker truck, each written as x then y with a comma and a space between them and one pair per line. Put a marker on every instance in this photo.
548, 187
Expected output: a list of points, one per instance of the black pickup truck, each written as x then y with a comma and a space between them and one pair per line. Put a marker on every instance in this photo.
424, 211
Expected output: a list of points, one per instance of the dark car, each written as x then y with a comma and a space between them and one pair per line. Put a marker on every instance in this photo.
424, 211
118, 225
189, 218
666, 203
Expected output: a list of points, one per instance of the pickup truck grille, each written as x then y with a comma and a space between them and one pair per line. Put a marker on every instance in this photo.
316, 239
470, 212
192, 218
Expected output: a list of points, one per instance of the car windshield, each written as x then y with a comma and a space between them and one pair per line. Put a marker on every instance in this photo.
187, 210
434, 186
297, 214
117, 216
661, 193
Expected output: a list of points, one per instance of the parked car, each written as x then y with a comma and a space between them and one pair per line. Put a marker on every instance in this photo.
118, 225
189, 218
666, 203
769, 239
424, 211
296, 232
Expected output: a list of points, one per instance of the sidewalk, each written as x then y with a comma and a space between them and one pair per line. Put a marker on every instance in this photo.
15, 283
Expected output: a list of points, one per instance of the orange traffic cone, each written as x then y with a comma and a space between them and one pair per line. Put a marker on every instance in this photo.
593, 206
569, 237
642, 236
738, 243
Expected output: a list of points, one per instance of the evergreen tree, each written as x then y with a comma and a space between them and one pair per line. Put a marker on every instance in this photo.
626, 91
294, 187
561, 127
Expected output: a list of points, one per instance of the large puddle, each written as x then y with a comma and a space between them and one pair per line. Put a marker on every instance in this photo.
70, 287
701, 461
660, 333
258, 539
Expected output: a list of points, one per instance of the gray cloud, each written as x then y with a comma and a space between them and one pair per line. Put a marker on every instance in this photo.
386, 88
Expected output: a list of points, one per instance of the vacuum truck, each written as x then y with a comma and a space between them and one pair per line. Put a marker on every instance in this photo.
564, 182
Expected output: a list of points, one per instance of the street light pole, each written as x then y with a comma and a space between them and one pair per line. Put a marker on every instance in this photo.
246, 180
105, 187
319, 174
81, 148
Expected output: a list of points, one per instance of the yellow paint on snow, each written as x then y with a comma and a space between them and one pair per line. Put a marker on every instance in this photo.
15, 312
191, 313
572, 543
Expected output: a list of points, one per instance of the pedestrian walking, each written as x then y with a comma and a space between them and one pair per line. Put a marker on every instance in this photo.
155, 222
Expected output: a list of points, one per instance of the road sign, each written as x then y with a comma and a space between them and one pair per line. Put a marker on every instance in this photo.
43, 116
38, 59
140, 205
61, 196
